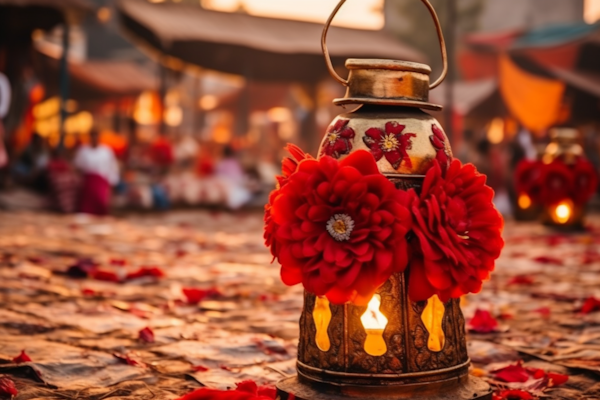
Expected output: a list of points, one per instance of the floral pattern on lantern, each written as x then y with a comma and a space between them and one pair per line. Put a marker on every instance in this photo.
392, 143
438, 140
338, 140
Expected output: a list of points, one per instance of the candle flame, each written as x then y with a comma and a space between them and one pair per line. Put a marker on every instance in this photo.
373, 318
322, 318
374, 323
563, 212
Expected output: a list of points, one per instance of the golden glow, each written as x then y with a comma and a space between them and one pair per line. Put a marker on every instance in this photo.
592, 11
173, 116
51, 107
432, 318
374, 323
103, 14
495, 132
562, 213
146, 110
363, 14
280, 114
322, 318
524, 201
208, 102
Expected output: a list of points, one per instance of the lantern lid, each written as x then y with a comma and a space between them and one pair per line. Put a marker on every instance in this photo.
389, 83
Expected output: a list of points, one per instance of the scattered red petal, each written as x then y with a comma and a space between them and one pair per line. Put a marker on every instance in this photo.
544, 311
180, 253
200, 368
548, 260
104, 275
88, 292
118, 262
513, 395
557, 379
21, 358
195, 296
591, 304
247, 390
513, 373
143, 272
35, 260
483, 322
521, 280
146, 335
128, 359
7, 387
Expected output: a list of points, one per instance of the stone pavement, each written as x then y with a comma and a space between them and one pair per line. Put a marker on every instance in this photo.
152, 306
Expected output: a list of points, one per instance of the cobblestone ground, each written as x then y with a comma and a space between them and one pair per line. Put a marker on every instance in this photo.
77, 294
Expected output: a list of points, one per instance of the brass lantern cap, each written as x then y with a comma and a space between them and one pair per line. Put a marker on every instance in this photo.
388, 83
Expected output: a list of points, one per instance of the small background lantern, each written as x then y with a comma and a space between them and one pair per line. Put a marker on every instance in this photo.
393, 348
565, 146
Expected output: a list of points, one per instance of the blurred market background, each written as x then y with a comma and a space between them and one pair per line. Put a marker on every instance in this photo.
197, 98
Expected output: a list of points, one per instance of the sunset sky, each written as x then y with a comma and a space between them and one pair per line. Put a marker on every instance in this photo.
365, 14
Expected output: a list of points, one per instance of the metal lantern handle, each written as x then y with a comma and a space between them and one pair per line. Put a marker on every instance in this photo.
438, 27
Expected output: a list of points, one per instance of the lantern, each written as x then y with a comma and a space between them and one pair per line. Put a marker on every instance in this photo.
565, 148
392, 348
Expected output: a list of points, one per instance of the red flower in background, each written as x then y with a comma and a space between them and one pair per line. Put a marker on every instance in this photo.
392, 144
458, 233
585, 181
527, 179
247, 390
438, 140
557, 183
590, 305
338, 139
340, 228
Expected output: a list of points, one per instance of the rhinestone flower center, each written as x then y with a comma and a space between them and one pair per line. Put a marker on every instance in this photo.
332, 137
340, 227
389, 143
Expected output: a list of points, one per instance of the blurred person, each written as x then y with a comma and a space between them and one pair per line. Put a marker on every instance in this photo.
63, 181
31, 166
100, 169
230, 173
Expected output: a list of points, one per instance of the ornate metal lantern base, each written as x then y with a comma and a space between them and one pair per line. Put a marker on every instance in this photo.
463, 388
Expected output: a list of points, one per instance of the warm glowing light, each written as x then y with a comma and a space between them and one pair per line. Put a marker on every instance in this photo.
433, 317
495, 132
374, 323
51, 107
524, 201
592, 11
103, 14
322, 318
173, 116
208, 102
279, 114
563, 212
147, 108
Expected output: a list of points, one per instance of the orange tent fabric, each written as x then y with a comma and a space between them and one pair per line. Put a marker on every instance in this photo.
535, 101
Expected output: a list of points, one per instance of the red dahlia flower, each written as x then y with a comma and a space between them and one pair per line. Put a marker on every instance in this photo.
557, 181
393, 143
438, 140
338, 139
585, 181
339, 228
458, 233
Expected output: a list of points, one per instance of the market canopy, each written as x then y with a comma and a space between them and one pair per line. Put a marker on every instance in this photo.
259, 48
98, 80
